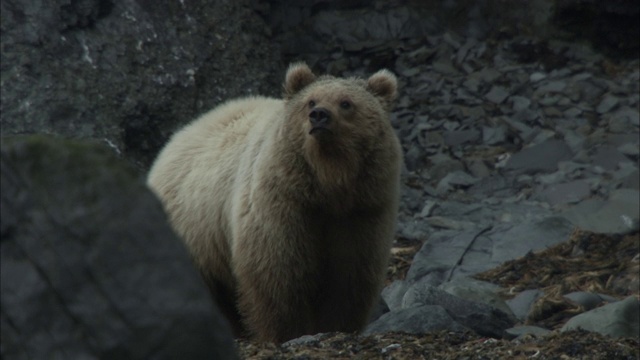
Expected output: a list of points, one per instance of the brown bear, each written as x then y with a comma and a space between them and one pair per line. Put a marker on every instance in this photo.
288, 206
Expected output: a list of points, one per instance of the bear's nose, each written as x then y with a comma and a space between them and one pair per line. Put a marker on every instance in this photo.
319, 117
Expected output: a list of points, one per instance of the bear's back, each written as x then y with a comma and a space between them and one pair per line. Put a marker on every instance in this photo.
195, 172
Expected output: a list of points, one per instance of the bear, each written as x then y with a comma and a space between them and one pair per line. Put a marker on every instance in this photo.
288, 206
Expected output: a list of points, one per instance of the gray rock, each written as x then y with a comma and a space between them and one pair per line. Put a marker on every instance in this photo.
535, 77
445, 67
567, 193
617, 215
630, 149
414, 158
393, 294
455, 138
520, 102
624, 120
447, 223
497, 94
413, 230
618, 319
574, 140
497, 185
607, 104
428, 207
472, 84
451, 39
549, 100
494, 135
589, 91
488, 74
552, 87
631, 181
608, 158
481, 318
478, 168
437, 257
543, 157
304, 340
442, 166
379, 309
551, 179
370, 28
627, 115
518, 331
89, 266
521, 304
587, 299
455, 179
453, 254
477, 291
572, 112
511, 242
125, 71
416, 320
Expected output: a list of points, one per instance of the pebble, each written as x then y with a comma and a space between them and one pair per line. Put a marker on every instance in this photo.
523, 301
519, 331
607, 104
497, 94
537, 76
552, 87
520, 103
589, 300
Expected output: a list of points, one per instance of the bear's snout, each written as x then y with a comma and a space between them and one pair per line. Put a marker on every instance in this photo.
319, 117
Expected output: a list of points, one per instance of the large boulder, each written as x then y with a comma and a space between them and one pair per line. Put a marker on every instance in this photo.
89, 266
128, 72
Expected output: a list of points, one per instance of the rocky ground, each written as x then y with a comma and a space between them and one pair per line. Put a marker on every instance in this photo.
521, 171
447, 345
558, 270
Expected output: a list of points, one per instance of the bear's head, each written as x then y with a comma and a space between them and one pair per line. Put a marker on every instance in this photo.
339, 120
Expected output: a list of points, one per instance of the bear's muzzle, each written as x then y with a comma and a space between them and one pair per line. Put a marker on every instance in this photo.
320, 119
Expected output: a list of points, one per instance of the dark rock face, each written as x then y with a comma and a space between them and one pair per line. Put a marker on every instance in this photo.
129, 72
89, 266
609, 25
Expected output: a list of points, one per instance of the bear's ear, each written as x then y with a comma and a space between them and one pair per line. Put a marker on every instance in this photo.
298, 77
384, 86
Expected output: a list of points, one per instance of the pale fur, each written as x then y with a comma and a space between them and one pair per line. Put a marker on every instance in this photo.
297, 232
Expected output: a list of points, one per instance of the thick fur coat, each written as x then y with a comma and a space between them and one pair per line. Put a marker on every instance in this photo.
288, 206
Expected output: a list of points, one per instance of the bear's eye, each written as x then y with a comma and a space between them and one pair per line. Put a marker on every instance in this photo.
345, 105
312, 103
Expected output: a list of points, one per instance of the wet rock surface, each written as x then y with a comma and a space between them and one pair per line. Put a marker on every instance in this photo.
89, 268
128, 73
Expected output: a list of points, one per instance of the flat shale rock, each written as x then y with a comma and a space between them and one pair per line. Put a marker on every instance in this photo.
90, 268
415, 320
484, 319
618, 319
543, 157
619, 214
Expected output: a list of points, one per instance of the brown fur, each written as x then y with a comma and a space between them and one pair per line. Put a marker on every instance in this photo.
292, 227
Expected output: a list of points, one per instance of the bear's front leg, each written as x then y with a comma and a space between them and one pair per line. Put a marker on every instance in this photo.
275, 266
